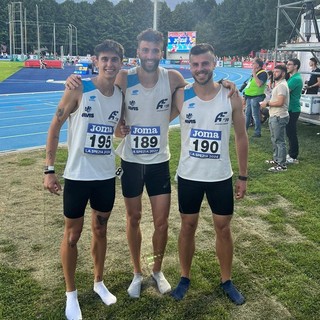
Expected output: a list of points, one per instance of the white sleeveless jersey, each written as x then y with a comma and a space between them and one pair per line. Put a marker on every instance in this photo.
90, 135
205, 133
147, 112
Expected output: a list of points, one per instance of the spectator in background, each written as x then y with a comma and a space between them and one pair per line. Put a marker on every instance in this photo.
314, 82
279, 118
43, 65
295, 84
254, 94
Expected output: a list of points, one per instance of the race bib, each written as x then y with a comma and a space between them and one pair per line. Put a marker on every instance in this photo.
98, 139
205, 144
145, 140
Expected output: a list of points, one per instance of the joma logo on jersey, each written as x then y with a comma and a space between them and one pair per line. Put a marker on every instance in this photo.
191, 105
162, 105
100, 128
87, 113
114, 116
92, 98
145, 130
207, 134
189, 118
135, 92
132, 106
221, 117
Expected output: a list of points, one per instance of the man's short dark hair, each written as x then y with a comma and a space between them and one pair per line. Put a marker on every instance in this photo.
201, 48
296, 62
259, 62
314, 60
281, 67
109, 46
150, 35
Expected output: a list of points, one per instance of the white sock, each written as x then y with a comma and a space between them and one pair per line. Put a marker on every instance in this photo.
162, 283
106, 296
73, 311
135, 286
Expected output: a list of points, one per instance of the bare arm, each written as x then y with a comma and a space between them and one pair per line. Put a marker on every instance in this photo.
317, 84
67, 105
256, 78
176, 80
279, 102
242, 146
121, 129
121, 81
177, 102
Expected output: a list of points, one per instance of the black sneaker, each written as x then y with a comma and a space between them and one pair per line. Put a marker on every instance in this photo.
232, 292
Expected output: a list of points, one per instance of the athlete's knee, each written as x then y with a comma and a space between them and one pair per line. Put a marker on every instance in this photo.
99, 231
73, 237
161, 225
189, 227
223, 230
133, 218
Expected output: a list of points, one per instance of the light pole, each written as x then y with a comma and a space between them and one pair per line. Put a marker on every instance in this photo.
38, 30
155, 15
70, 27
70, 39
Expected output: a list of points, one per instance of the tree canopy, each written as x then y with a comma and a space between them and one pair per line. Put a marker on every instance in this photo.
234, 27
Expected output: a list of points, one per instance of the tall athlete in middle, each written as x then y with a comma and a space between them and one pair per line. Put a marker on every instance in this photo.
145, 153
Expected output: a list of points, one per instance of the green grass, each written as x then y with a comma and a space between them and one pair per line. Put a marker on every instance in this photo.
276, 262
8, 68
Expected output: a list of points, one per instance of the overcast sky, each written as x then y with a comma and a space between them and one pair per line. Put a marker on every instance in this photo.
171, 3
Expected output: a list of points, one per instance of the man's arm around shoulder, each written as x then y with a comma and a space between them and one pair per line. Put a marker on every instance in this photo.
242, 145
176, 80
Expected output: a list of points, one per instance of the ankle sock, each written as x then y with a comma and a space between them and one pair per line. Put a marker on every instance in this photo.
73, 311
180, 291
106, 296
162, 283
134, 289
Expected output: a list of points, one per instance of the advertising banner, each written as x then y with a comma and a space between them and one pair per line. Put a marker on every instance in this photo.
247, 64
237, 64
181, 41
227, 63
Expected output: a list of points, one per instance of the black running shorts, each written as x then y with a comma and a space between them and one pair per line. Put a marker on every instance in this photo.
219, 195
76, 194
156, 177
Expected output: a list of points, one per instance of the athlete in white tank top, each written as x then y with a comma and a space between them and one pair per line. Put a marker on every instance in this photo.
147, 112
90, 135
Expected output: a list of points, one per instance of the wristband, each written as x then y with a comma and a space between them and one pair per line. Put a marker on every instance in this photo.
221, 80
46, 168
243, 178
49, 172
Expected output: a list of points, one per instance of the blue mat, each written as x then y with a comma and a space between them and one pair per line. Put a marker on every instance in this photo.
35, 80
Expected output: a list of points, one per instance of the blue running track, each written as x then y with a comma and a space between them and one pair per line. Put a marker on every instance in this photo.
28, 102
